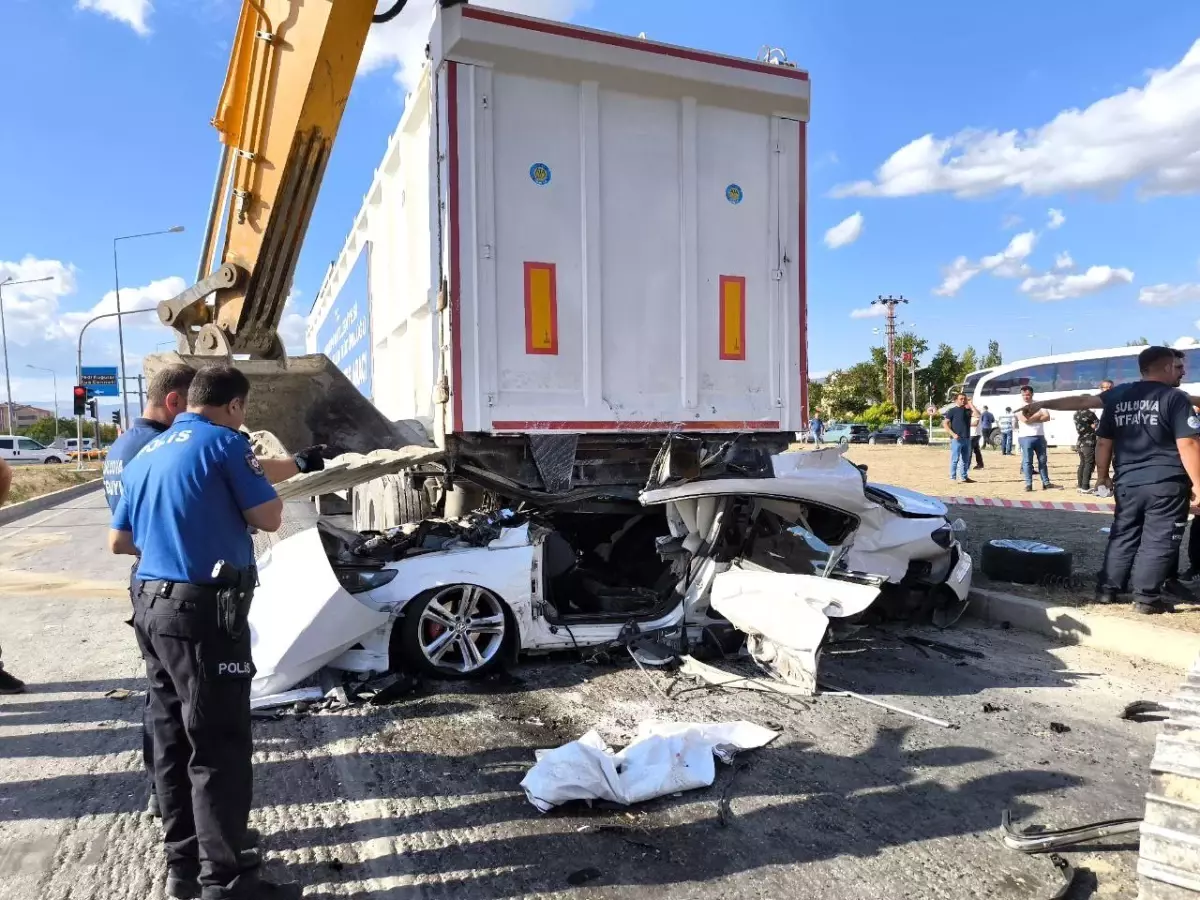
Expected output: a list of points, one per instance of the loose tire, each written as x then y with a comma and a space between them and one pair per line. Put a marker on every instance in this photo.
456, 631
1024, 562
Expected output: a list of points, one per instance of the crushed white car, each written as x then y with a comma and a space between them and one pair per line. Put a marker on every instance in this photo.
810, 538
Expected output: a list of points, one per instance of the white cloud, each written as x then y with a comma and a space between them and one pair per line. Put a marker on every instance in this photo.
1056, 219
30, 310
1147, 134
1168, 294
133, 13
1063, 262
1011, 221
1059, 286
1008, 263
845, 232
400, 43
292, 326
869, 312
146, 297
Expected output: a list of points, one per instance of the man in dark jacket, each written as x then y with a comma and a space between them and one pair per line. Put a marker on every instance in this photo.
1085, 444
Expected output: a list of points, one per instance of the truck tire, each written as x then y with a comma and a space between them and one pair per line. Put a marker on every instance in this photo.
1168, 865
386, 502
412, 504
1024, 562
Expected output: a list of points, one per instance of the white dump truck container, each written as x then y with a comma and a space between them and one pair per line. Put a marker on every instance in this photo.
583, 235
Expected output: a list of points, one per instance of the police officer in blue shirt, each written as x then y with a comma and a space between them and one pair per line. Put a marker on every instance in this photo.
166, 398
188, 502
1151, 433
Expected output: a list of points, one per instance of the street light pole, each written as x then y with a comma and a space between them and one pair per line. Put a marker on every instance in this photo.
4, 341
174, 229
54, 377
79, 372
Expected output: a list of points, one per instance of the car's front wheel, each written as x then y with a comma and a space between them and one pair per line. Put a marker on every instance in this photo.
872, 440
843, 441
52, 460
458, 631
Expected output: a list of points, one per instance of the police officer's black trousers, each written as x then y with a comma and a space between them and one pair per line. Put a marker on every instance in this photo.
1143, 543
1087, 464
199, 712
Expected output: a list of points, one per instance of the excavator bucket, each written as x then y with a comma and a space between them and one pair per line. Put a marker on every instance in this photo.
306, 400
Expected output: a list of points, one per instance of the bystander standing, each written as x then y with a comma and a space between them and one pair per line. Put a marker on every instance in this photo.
1008, 422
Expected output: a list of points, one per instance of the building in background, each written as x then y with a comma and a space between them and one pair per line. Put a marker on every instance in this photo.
23, 416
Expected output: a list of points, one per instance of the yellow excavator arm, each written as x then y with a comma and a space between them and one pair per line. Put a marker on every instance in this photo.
290, 73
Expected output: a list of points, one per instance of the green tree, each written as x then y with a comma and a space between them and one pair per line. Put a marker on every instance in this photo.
1140, 342
968, 363
816, 397
993, 357
879, 415
43, 432
848, 392
942, 373
913, 415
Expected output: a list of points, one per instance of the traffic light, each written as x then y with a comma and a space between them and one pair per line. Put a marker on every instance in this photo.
116, 417
81, 398
93, 408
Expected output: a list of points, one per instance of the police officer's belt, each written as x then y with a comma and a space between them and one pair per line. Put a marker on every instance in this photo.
179, 590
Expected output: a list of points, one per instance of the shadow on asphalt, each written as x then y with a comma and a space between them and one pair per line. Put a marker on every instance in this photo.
831, 806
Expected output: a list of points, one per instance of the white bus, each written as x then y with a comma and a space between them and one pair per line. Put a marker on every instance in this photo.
1063, 375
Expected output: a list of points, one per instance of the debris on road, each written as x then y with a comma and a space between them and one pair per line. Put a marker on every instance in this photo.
1145, 711
785, 617
1041, 840
1068, 876
664, 758
1060, 728
714, 677
994, 708
834, 691
287, 698
118, 694
724, 812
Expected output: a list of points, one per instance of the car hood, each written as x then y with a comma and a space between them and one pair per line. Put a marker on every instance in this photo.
911, 502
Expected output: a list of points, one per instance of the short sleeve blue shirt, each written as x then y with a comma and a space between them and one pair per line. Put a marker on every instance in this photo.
122, 452
183, 498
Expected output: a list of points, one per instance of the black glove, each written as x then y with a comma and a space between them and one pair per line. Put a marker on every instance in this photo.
312, 459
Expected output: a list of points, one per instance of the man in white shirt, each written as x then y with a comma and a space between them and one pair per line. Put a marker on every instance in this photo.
1008, 423
1031, 437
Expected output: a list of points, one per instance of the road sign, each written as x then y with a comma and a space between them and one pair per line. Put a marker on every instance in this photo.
931, 410
101, 381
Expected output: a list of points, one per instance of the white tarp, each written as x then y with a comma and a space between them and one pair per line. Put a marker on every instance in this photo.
784, 616
664, 758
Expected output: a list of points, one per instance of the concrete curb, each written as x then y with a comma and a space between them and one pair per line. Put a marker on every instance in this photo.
1142, 641
37, 504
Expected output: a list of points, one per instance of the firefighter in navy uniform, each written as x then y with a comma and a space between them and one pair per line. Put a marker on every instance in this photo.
1150, 432
188, 502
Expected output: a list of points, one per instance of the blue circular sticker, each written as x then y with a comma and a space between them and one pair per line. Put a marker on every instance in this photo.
734, 194
540, 173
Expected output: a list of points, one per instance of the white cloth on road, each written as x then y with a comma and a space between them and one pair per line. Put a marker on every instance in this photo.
664, 758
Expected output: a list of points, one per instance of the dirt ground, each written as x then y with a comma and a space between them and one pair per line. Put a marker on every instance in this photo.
34, 480
927, 469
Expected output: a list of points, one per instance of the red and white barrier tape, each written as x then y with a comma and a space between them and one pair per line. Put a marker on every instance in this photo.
1029, 504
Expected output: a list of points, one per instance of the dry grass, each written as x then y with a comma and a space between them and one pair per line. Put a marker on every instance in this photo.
927, 469
35, 480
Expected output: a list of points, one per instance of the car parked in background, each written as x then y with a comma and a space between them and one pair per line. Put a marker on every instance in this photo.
900, 434
847, 433
23, 450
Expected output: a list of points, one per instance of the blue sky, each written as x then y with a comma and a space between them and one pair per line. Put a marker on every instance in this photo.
106, 133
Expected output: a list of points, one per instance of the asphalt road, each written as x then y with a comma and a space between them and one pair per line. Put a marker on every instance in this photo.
421, 798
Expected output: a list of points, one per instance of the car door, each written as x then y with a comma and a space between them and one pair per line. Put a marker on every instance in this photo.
31, 451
